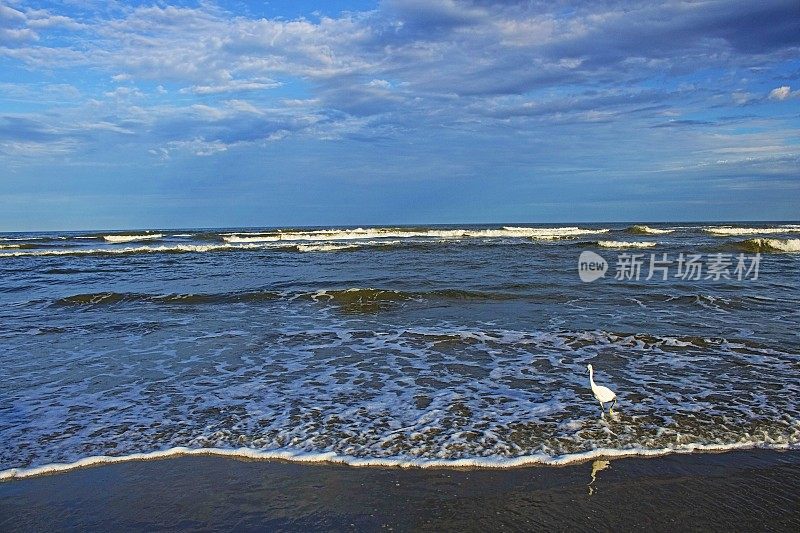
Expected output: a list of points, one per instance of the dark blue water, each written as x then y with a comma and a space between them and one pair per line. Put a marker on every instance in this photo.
421, 345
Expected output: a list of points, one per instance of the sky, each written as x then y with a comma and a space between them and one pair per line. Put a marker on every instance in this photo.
223, 114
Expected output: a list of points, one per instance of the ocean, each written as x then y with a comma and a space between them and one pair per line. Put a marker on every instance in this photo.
422, 346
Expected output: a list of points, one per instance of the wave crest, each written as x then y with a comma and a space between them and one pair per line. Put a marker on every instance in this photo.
402, 233
132, 238
301, 456
176, 249
638, 229
732, 231
769, 245
626, 244
23, 246
325, 247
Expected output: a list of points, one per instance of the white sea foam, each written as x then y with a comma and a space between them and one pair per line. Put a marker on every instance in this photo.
626, 244
648, 230
12, 250
399, 233
728, 230
547, 233
402, 462
34, 238
131, 250
781, 245
132, 238
410, 396
325, 247
252, 238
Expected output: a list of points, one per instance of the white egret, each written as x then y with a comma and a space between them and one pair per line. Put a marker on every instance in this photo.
603, 394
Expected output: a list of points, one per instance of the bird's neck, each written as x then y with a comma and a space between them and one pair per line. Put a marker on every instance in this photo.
591, 377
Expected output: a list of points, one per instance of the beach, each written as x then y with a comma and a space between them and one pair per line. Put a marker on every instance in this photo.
734, 491
440, 265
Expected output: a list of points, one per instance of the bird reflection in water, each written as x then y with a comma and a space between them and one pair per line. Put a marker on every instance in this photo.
597, 466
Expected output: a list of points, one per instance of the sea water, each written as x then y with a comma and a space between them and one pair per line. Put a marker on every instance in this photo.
425, 346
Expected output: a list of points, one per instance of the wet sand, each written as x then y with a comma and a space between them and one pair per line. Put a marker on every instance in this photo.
740, 491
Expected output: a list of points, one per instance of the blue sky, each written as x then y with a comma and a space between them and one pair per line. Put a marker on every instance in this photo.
187, 114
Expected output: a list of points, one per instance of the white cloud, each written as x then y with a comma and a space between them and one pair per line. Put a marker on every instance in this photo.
198, 147
42, 19
244, 106
8, 14
381, 84
124, 92
17, 35
478, 49
742, 97
37, 149
457, 64
781, 93
295, 102
104, 126
232, 86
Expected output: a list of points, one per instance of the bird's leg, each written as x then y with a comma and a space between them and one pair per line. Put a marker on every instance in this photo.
611, 409
602, 408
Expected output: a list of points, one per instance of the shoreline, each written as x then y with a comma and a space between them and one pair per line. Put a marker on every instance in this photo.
332, 459
739, 490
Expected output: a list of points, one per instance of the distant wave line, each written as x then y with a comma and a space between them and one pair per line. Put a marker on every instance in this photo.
735, 231
401, 233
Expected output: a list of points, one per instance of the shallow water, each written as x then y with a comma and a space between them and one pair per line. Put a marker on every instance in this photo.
410, 345
749, 490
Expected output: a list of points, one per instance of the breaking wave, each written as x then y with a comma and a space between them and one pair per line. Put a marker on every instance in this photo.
177, 249
36, 238
21, 246
325, 247
626, 244
732, 231
299, 456
769, 245
645, 230
402, 233
132, 238
271, 242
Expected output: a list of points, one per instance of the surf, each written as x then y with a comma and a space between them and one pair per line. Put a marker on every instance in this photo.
132, 238
323, 458
769, 245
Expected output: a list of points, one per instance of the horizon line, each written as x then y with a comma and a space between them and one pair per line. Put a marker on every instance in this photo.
397, 225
